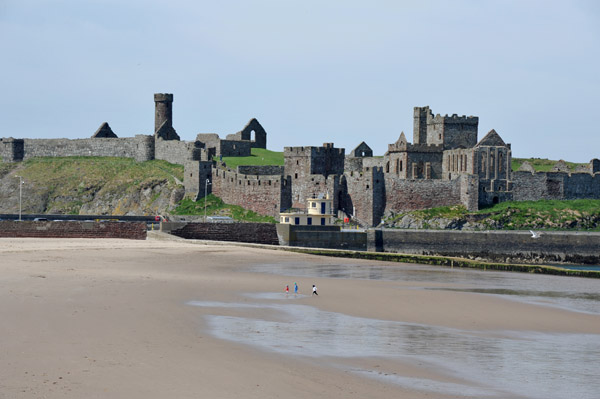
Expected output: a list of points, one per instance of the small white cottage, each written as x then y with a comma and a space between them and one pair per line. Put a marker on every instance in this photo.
319, 212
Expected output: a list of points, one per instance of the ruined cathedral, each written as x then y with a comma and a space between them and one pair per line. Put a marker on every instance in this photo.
445, 164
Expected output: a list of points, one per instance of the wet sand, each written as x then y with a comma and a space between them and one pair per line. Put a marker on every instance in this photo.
116, 318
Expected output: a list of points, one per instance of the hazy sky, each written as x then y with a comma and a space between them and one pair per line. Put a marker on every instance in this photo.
310, 71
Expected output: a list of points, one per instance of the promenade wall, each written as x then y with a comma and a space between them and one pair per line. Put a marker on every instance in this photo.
73, 229
258, 233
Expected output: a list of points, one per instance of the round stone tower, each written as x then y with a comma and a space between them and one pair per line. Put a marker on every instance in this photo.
163, 110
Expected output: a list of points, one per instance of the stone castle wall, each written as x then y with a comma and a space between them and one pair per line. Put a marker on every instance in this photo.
264, 194
407, 195
175, 151
196, 173
365, 195
260, 169
529, 186
325, 160
11, 149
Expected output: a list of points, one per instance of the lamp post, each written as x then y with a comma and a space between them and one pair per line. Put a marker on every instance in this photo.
21, 182
205, 195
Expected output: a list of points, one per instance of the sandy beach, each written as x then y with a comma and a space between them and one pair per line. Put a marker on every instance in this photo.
132, 319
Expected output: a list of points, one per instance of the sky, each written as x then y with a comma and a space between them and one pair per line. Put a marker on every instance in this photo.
311, 72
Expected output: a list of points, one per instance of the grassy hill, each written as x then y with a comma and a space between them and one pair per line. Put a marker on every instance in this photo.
542, 164
216, 207
512, 215
259, 157
89, 185
108, 186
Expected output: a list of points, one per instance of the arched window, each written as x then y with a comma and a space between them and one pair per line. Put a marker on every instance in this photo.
500, 162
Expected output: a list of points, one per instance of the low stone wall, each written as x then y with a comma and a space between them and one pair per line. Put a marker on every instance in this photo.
500, 246
258, 233
330, 237
73, 229
140, 148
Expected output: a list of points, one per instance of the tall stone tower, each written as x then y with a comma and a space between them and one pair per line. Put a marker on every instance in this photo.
420, 124
163, 117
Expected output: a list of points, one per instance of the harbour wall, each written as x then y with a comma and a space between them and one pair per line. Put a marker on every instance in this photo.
497, 246
331, 237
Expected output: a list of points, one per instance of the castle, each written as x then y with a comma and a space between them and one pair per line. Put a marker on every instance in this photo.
444, 165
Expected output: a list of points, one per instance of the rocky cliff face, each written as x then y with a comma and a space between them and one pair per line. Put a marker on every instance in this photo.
156, 197
89, 193
568, 220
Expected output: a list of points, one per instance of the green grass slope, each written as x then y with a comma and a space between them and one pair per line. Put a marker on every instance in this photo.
216, 207
541, 165
512, 215
259, 157
106, 184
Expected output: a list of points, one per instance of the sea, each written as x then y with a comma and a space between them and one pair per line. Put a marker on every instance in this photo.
502, 364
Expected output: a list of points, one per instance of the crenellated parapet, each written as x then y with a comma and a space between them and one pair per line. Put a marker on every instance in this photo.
453, 119
304, 161
451, 132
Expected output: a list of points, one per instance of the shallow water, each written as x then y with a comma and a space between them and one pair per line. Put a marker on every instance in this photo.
531, 365
500, 365
572, 293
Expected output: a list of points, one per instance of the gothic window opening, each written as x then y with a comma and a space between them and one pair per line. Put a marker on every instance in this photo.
500, 162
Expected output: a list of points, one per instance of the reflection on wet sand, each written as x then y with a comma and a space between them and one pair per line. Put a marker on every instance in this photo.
531, 365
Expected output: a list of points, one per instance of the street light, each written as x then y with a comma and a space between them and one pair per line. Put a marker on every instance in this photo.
21, 182
205, 195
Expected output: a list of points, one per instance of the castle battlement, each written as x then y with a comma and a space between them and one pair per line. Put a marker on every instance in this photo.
326, 149
163, 97
401, 147
454, 119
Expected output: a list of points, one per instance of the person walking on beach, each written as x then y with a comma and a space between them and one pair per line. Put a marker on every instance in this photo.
295, 288
287, 289
315, 290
